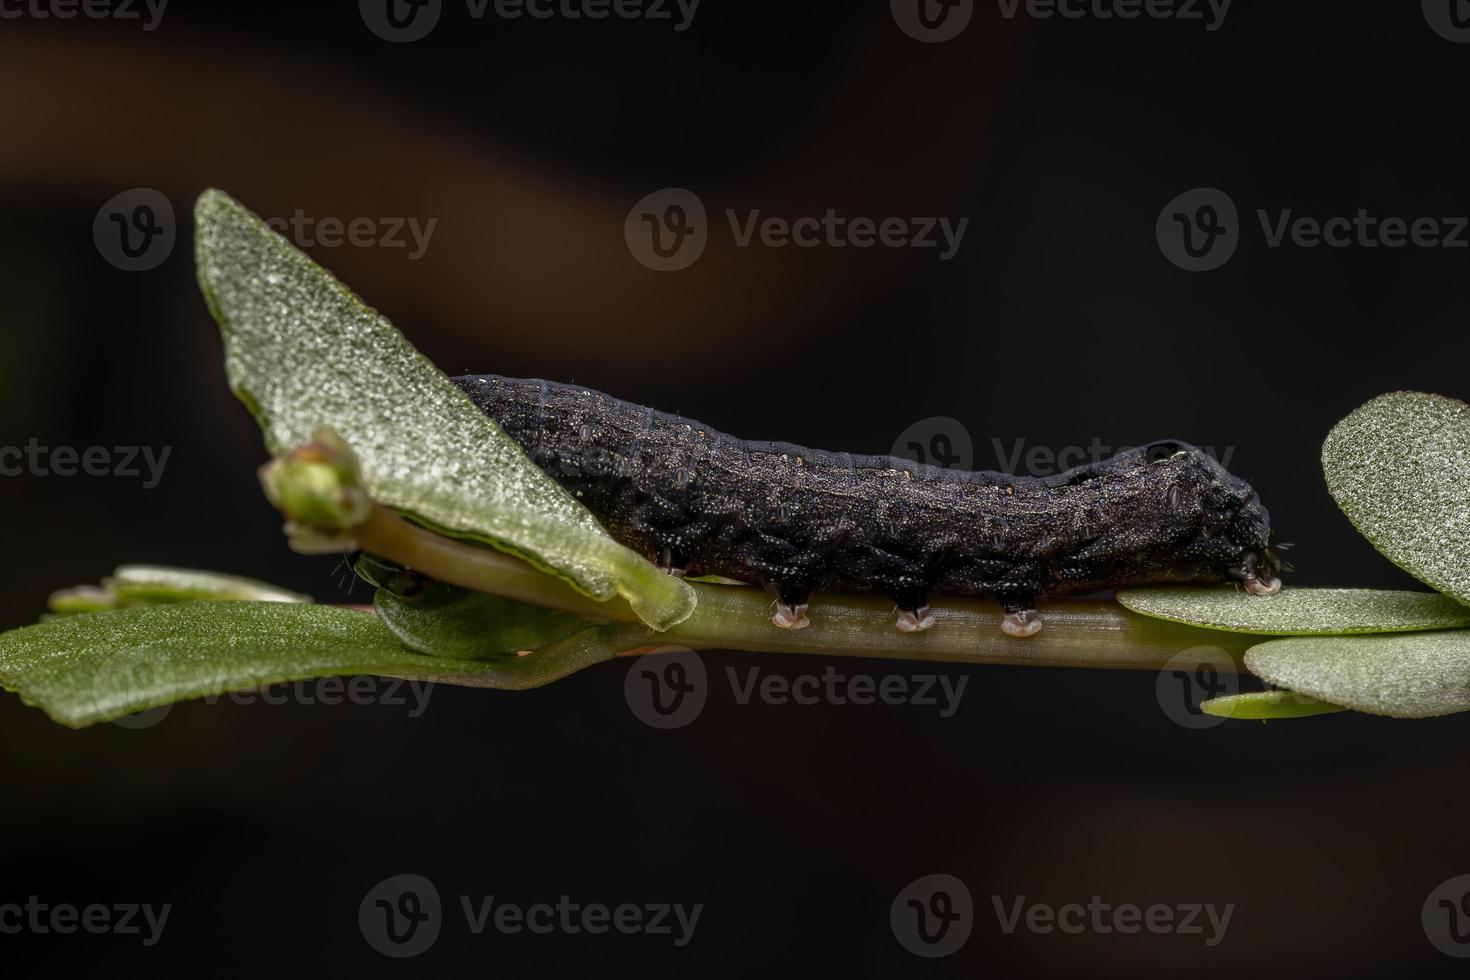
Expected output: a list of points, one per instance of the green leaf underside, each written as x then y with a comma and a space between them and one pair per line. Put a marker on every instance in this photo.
302, 351
1416, 675
95, 667
1399, 467
138, 585
1299, 612
1267, 705
444, 621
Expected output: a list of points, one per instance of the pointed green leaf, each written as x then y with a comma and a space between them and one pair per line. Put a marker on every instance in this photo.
591, 646
96, 667
1299, 612
1267, 705
303, 352
1399, 467
1416, 675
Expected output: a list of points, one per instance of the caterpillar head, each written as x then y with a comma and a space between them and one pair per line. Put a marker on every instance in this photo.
1212, 523
1233, 540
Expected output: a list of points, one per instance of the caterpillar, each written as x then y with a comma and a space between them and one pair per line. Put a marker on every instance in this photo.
797, 521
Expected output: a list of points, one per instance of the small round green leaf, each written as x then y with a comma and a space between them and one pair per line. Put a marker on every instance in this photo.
1418, 675
1399, 467
1299, 612
1267, 706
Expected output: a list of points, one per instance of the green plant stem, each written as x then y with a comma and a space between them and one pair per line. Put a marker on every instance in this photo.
1077, 633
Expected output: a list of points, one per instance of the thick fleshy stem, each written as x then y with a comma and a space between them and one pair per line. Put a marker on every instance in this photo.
319, 488
1078, 633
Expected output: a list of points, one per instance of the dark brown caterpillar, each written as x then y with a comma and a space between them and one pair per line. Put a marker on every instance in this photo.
799, 520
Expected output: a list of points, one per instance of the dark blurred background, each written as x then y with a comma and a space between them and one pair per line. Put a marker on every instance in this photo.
1060, 320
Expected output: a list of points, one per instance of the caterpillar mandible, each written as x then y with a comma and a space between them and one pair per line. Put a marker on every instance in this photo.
798, 520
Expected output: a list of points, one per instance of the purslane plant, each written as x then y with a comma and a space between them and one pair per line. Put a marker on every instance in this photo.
488, 573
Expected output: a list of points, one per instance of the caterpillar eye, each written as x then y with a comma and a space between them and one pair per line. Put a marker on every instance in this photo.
1161, 450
